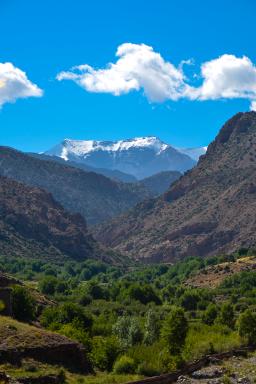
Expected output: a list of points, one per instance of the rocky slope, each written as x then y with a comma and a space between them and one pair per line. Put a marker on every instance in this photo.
140, 157
94, 196
210, 210
33, 224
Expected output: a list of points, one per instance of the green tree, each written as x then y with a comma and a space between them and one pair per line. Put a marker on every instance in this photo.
135, 334
247, 326
210, 314
189, 300
152, 328
23, 304
145, 294
227, 316
48, 285
175, 330
128, 331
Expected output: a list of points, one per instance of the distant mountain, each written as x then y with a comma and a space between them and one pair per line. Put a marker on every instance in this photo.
160, 182
194, 153
33, 224
210, 210
94, 196
112, 174
141, 157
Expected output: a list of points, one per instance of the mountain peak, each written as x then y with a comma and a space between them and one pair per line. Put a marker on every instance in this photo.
138, 156
239, 123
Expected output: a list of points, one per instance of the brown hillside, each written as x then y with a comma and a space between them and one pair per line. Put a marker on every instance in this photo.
210, 210
33, 224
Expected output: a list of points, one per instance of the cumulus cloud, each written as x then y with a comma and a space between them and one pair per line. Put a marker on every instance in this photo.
253, 105
227, 77
139, 67
14, 84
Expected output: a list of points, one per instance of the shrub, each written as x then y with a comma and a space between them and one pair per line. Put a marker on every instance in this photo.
210, 314
125, 365
55, 317
247, 326
77, 334
23, 304
104, 352
147, 369
48, 285
227, 316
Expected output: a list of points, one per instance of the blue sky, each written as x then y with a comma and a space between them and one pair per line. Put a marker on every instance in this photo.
44, 38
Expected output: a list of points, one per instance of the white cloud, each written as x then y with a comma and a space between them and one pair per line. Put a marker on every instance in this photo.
14, 84
226, 77
139, 67
253, 105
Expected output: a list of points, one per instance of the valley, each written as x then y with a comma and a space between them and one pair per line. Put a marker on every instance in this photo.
106, 281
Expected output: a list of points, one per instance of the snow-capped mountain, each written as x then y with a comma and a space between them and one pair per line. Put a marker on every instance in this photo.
141, 156
194, 153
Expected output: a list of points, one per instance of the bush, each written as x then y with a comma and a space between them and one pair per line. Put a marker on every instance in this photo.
227, 316
189, 300
125, 365
146, 369
77, 334
104, 352
247, 326
48, 285
210, 314
55, 317
23, 304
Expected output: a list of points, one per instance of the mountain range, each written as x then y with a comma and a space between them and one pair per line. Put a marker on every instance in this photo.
96, 197
210, 210
140, 157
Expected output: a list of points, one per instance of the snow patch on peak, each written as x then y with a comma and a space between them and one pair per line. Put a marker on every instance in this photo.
84, 147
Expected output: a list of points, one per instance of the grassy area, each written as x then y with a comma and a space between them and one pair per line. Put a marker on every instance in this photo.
32, 368
203, 339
